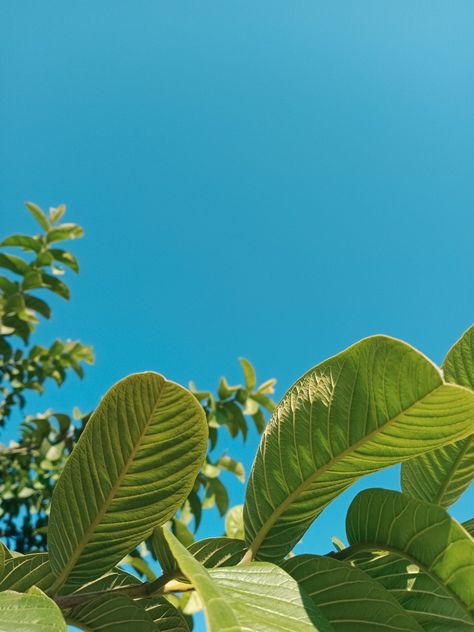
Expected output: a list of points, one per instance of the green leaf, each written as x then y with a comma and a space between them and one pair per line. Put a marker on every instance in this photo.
65, 258
38, 305
167, 617
231, 465
469, 526
417, 551
351, 600
112, 612
162, 551
55, 285
378, 403
224, 390
258, 597
3, 555
64, 231
249, 373
441, 476
38, 214
458, 366
14, 264
159, 609
132, 468
20, 573
213, 552
217, 491
22, 241
55, 214
29, 612
259, 420
234, 522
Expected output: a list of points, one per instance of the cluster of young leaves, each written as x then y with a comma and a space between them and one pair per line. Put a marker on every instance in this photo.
24, 282
409, 565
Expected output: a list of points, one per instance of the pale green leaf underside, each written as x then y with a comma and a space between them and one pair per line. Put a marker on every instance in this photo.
378, 403
441, 476
133, 466
267, 599
249, 598
351, 600
112, 612
426, 547
29, 612
214, 552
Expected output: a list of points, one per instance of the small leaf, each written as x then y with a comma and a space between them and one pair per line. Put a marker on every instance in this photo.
64, 231
66, 258
234, 522
55, 285
55, 214
22, 241
249, 373
14, 264
231, 465
38, 214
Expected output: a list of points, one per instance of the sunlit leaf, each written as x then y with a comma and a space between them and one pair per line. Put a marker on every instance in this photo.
376, 404
132, 468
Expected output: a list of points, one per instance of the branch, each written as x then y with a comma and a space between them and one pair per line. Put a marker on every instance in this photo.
161, 586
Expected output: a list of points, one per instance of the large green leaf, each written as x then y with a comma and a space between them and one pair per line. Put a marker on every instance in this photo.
29, 612
351, 600
133, 466
257, 597
378, 403
416, 550
112, 612
20, 573
442, 475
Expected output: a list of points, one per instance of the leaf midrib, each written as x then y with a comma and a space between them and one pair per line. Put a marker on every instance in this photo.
268, 524
108, 501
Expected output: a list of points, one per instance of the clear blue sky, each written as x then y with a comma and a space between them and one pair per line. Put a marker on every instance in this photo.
268, 179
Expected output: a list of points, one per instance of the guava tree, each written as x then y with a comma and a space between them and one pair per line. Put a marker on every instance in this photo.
408, 565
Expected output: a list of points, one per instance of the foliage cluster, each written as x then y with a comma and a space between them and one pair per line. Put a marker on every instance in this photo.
408, 564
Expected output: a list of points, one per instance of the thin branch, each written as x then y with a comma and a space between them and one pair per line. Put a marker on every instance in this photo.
163, 585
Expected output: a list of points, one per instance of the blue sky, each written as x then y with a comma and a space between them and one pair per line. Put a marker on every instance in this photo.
273, 180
